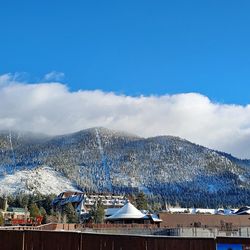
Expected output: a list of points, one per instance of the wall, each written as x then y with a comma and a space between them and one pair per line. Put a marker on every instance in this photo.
46, 240
52, 240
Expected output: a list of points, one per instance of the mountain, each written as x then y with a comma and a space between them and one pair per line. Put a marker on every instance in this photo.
165, 167
42, 180
241, 162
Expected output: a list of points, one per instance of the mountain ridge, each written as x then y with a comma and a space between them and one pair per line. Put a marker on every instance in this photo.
103, 160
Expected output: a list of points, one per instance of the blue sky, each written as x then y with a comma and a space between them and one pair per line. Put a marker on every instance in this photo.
132, 47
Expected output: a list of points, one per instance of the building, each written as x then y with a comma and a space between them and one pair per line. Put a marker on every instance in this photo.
13, 215
180, 210
243, 211
183, 220
108, 201
83, 203
129, 214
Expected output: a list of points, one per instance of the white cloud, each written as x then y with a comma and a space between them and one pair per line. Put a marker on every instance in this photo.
5, 79
51, 108
54, 76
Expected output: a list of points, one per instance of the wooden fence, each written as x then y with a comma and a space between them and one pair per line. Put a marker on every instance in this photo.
49, 240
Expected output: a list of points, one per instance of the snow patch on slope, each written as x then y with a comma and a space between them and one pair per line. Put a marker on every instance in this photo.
43, 180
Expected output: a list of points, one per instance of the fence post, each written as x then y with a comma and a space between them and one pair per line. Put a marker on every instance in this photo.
23, 240
80, 241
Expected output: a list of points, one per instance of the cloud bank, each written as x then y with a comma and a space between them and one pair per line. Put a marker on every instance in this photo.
51, 108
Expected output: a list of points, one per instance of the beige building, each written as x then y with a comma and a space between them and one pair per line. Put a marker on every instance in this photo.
13, 213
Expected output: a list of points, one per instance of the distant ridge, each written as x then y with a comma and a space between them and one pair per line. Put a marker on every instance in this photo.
98, 159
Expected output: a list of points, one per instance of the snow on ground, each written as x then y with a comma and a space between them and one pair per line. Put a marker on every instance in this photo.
44, 180
242, 178
145, 190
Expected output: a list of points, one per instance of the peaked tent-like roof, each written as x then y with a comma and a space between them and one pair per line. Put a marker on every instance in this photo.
128, 211
111, 211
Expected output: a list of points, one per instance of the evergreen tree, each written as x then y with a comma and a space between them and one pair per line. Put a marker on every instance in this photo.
1, 220
24, 201
46, 203
70, 213
98, 213
59, 217
34, 210
141, 201
44, 215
